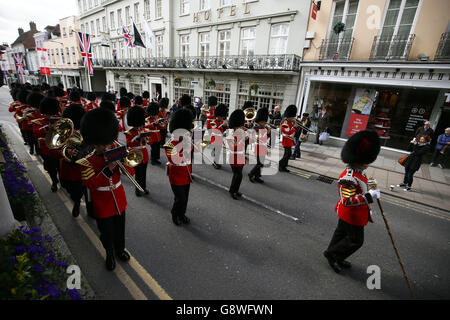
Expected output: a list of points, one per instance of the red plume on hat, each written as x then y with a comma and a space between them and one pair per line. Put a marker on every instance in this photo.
362, 148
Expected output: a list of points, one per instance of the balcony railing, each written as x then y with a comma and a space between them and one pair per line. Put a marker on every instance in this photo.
288, 62
443, 51
392, 47
336, 49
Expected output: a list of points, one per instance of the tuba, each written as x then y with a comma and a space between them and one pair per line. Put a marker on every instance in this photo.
59, 133
250, 114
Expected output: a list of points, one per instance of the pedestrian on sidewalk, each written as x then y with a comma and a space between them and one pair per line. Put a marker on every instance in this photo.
425, 131
353, 207
442, 148
322, 124
301, 135
412, 164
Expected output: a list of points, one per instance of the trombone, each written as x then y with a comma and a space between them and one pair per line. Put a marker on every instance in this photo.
299, 123
133, 158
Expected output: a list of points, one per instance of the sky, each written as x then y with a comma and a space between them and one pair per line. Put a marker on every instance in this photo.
16, 14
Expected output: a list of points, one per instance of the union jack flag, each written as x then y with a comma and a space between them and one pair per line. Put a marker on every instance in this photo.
19, 63
127, 35
86, 51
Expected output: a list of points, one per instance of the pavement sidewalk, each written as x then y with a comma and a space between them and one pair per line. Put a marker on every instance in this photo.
431, 185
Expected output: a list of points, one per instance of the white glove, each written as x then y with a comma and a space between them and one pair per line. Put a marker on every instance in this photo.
375, 193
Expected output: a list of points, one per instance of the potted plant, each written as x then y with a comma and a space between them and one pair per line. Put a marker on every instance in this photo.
252, 87
339, 27
177, 81
210, 83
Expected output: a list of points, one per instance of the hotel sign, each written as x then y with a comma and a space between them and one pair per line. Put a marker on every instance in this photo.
221, 12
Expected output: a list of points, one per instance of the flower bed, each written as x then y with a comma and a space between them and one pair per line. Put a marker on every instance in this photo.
31, 270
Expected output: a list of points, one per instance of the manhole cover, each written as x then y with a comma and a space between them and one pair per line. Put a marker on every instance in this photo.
325, 179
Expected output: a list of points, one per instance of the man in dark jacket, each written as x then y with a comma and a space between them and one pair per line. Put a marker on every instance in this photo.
322, 124
275, 118
414, 161
425, 131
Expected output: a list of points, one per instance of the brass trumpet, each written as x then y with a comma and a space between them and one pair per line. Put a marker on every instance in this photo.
26, 113
300, 124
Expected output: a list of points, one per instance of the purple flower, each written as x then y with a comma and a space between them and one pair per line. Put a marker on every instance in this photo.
73, 294
38, 267
61, 263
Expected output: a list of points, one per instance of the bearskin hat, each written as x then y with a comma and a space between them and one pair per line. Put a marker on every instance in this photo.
362, 148
192, 109
75, 95
221, 111
91, 96
291, 111
44, 86
185, 100
108, 104
152, 109
57, 91
108, 96
163, 103
60, 85
138, 100
136, 116
99, 126
130, 95
262, 115
212, 101
23, 95
14, 94
34, 99
146, 95
123, 92
124, 102
182, 119
74, 112
237, 119
49, 106
247, 104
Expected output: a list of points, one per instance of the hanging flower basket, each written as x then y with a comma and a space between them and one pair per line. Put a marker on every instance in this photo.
128, 76
253, 87
338, 27
210, 83
177, 81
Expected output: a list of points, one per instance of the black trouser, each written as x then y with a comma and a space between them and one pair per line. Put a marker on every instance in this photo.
112, 233
181, 194
51, 165
75, 189
286, 156
140, 172
408, 178
163, 136
29, 138
237, 178
437, 157
155, 151
256, 171
347, 239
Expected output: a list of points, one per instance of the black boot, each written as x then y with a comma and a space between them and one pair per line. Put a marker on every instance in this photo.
110, 262
251, 178
332, 262
54, 187
176, 220
185, 219
344, 264
258, 179
124, 256
76, 210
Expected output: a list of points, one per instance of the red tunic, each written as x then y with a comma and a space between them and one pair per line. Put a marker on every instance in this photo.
353, 205
155, 134
165, 115
288, 132
91, 105
236, 148
218, 129
210, 117
261, 138
108, 193
136, 144
179, 168
40, 128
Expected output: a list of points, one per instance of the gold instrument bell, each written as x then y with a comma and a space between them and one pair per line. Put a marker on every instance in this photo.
250, 114
134, 158
59, 133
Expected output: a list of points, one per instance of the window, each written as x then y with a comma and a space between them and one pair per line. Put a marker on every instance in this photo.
204, 5
64, 33
224, 43
70, 31
52, 53
62, 57
184, 46
97, 21
225, 3
90, 4
269, 95
147, 9
397, 27
92, 28
87, 28
204, 44
57, 61
186, 87
127, 15
74, 57
111, 20
68, 55
158, 9
222, 90
248, 41
136, 12
95, 2
279, 38
119, 18
184, 6
82, 29
159, 46
84, 5
104, 24
122, 51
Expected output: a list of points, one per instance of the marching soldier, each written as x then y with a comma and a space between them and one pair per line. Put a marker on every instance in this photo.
218, 127
249, 124
212, 103
162, 126
92, 104
178, 166
19, 112
353, 207
262, 136
236, 145
33, 101
288, 129
69, 171
99, 127
146, 98
49, 108
124, 104
155, 134
59, 94
136, 141
138, 101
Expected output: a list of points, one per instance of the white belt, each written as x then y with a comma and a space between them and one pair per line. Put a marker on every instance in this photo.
288, 135
236, 152
139, 147
110, 188
181, 164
